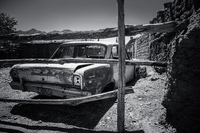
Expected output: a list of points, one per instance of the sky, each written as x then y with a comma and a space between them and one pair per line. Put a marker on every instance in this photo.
78, 15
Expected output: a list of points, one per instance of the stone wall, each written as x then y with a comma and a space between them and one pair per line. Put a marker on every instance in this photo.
142, 47
182, 51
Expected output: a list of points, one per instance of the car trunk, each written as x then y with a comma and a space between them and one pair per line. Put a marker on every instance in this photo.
49, 73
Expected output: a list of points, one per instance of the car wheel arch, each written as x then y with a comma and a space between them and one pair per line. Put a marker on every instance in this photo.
109, 87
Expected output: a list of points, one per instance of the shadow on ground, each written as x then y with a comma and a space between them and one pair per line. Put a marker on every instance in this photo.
86, 115
52, 128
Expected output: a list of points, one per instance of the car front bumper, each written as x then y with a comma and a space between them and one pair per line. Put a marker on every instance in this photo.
49, 90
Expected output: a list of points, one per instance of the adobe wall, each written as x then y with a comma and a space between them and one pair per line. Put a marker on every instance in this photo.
183, 98
178, 10
142, 47
182, 51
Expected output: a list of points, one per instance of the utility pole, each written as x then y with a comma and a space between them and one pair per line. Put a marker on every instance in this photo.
122, 67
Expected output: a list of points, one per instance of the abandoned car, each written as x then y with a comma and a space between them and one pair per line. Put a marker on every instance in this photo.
69, 80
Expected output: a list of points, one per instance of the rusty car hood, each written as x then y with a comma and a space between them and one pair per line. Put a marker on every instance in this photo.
48, 73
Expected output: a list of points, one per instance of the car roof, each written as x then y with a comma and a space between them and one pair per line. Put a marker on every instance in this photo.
91, 42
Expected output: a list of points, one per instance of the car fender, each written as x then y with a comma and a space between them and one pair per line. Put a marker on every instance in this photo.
96, 77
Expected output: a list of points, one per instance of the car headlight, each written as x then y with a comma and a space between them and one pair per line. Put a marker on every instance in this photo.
77, 80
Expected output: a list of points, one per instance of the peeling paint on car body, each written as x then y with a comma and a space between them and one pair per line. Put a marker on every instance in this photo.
96, 77
49, 73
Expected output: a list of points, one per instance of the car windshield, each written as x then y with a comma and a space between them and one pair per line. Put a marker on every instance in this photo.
80, 51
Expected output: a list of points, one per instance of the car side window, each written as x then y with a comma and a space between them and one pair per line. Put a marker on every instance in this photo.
115, 53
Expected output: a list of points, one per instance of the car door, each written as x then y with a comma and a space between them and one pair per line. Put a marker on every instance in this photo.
129, 73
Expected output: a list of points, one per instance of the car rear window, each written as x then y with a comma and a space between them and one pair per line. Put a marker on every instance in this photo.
81, 51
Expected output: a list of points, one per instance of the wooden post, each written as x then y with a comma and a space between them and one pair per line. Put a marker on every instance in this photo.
133, 50
149, 48
122, 67
135, 45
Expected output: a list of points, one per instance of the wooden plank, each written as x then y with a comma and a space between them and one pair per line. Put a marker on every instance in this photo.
122, 67
72, 60
130, 30
72, 101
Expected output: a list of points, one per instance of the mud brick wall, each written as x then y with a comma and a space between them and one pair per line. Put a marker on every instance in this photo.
142, 47
182, 51
159, 50
183, 98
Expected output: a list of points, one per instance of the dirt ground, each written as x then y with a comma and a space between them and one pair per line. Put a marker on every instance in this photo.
144, 112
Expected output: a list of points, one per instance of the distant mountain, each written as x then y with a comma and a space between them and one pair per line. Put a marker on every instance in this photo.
35, 31
60, 32
66, 31
54, 32
31, 31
